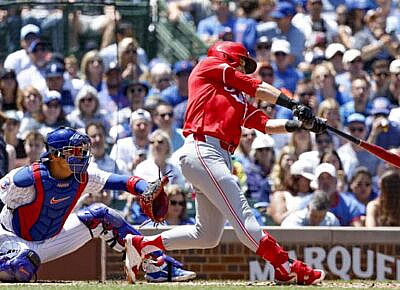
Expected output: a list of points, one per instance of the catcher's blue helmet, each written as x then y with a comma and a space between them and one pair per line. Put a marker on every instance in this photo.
71, 145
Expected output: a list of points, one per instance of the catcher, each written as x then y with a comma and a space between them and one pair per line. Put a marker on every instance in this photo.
37, 224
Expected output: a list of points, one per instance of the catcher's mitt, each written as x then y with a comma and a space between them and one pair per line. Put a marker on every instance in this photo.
154, 201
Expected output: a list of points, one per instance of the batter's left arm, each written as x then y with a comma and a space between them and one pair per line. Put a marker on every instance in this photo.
278, 126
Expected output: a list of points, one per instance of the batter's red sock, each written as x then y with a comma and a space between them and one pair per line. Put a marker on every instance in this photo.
151, 244
270, 250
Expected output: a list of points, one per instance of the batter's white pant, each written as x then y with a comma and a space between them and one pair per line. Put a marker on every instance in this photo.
208, 167
73, 236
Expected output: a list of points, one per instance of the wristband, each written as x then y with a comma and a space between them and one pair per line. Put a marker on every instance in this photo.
136, 185
292, 125
285, 101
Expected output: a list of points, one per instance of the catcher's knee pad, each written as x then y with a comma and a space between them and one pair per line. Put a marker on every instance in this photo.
20, 268
113, 227
270, 250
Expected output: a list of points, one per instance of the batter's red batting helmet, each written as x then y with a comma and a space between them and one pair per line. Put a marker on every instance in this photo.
231, 52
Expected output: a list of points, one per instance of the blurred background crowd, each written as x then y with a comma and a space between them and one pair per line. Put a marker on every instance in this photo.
340, 57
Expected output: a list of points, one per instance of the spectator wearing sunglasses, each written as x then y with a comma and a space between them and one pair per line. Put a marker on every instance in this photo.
53, 114
177, 214
163, 118
323, 142
361, 186
381, 80
157, 163
353, 156
136, 91
87, 109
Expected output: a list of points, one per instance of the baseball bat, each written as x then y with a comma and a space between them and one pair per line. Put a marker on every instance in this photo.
376, 150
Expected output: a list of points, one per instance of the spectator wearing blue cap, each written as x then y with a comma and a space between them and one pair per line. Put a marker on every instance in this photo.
112, 98
53, 114
352, 155
54, 75
34, 74
178, 92
209, 29
20, 60
382, 129
282, 27
87, 110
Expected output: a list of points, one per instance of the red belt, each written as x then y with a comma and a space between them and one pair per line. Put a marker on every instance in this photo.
224, 145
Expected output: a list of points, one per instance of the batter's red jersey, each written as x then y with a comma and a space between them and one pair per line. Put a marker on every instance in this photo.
216, 104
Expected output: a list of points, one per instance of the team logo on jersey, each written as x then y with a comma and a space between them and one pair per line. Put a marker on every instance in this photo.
62, 185
56, 201
4, 183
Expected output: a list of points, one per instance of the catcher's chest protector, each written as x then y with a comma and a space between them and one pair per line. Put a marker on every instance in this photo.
46, 215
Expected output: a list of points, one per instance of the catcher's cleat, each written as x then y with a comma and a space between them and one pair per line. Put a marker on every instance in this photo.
166, 272
133, 258
300, 273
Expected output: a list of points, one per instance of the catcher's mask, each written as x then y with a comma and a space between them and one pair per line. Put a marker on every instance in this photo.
231, 52
71, 145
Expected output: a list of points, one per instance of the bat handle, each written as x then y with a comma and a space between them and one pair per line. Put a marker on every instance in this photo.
344, 135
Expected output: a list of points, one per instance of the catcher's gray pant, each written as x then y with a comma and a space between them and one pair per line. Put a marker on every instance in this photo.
208, 167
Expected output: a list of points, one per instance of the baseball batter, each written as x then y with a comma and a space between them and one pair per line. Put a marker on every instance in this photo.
217, 108
37, 224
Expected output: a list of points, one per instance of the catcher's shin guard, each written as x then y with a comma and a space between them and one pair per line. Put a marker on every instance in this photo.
108, 224
20, 268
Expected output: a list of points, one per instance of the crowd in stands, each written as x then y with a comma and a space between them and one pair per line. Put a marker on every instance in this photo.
339, 57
